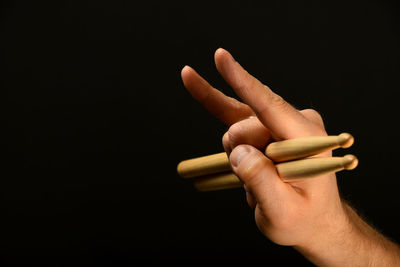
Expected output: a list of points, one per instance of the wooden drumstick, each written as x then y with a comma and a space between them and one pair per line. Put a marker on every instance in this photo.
304, 147
219, 181
288, 171
210, 164
276, 151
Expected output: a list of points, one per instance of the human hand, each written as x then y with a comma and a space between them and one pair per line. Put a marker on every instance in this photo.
287, 213
307, 214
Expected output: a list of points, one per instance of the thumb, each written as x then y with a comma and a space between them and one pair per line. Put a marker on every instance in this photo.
259, 175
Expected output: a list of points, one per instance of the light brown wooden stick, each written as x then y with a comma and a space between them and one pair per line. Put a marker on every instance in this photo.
204, 165
304, 147
313, 167
219, 181
277, 151
288, 171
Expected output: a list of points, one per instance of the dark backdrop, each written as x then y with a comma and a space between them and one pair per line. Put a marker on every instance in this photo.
97, 119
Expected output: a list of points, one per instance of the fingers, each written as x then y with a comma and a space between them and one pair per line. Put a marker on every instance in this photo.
226, 143
259, 175
252, 132
249, 131
275, 113
227, 109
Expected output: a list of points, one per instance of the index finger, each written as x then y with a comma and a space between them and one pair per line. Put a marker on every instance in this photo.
227, 109
273, 111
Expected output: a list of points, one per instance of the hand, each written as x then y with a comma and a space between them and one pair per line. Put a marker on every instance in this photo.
307, 214
287, 213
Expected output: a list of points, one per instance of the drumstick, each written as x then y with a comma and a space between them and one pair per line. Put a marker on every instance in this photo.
204, 165
219, 181
276, 151
303, 147
288, 171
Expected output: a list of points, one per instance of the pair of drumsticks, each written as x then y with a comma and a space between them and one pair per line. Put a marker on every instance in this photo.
292, 158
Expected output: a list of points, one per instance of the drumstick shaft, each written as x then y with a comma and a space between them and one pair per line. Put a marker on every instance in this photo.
210, 164
219, 181
303, 147
276, 151
288, 171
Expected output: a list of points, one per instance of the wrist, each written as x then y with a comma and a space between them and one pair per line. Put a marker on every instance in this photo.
351, 242
330, 237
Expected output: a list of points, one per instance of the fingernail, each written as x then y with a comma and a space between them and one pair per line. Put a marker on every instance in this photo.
238, 154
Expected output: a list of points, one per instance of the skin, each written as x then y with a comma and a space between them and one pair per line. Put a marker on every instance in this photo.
309, 214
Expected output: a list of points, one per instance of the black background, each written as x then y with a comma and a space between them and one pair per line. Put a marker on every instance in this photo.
97, 119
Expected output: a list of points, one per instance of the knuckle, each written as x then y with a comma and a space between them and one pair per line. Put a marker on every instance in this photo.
313, 115
276, 99
225, 140
235, 133
273, 100
316, 120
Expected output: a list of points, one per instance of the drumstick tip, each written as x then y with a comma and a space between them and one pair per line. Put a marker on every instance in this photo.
350, 162
346, 140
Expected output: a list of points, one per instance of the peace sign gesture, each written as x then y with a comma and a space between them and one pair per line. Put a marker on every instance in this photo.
307, 214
